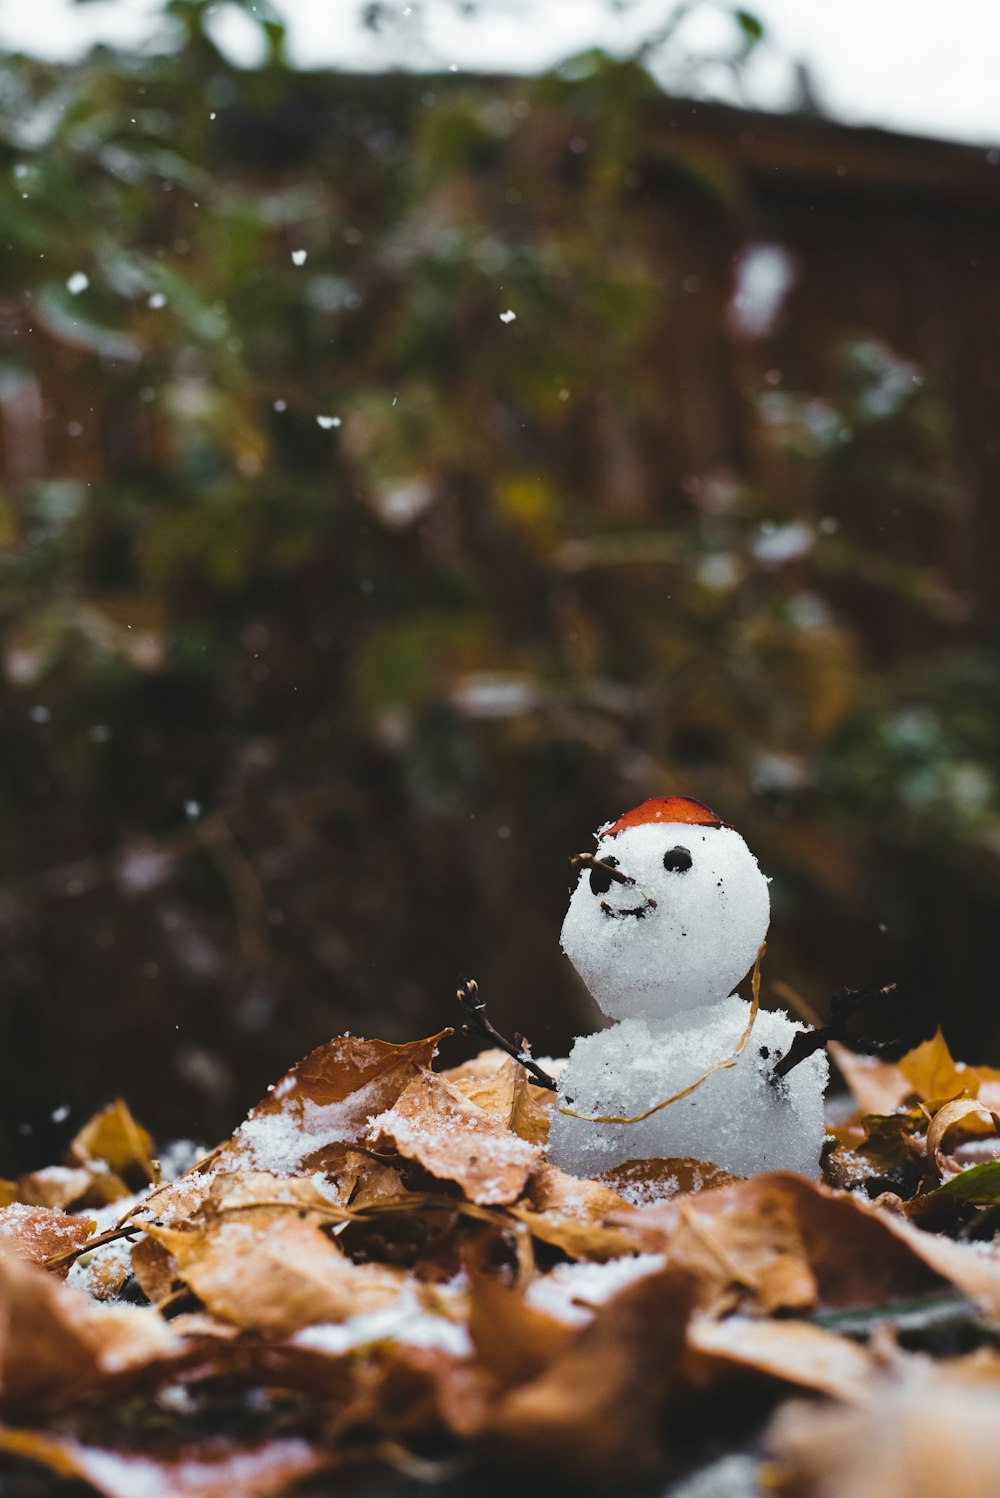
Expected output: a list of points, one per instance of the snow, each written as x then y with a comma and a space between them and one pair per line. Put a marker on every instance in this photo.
109, 1262
156, 301
508, 316
280, 1141
571, 1291
99, 1264
327, 422
406, 1322
77, 282
660, 955
738, 1118
693, 946
299, 257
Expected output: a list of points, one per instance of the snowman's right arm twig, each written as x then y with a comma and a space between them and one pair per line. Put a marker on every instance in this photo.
479, 1023
842, 1007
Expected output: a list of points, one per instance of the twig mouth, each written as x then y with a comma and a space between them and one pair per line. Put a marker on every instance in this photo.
639, 911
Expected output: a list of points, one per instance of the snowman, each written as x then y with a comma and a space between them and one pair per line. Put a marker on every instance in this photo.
667, 916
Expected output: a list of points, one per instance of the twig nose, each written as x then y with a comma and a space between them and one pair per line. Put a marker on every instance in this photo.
591, 861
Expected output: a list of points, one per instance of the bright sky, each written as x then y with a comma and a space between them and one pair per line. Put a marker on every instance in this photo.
914, 65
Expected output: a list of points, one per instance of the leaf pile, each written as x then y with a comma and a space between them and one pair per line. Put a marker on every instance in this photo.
380, 1266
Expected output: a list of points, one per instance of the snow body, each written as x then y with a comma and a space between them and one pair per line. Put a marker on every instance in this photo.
660, 955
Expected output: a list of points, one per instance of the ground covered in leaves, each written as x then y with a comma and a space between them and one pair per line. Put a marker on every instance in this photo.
380, 1272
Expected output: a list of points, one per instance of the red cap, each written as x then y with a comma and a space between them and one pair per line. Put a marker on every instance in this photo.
666, 809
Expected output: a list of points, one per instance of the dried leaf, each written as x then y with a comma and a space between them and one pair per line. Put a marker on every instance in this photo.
780, 1242
56, 1186
507, 1095
972, 1268
271, 1270
932, 1073
959, 1110
887, 1152
513, 1339
877, 1086
154, 1269
573, 1215
596, 1411
325, 1099
41, 1233
914, 1436
792, 1351
643, 1182
212, 1469
56, 1347
114, 1137
436, 1125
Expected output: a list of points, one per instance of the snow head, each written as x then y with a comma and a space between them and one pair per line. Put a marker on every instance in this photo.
687, 925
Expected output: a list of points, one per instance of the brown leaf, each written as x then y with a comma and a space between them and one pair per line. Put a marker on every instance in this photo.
643, 1182
56, 1347
114, 1137
877, 1086
512, 1339
433, 1123
913, 1437
972, 1268
792, 1351
40, 1233
272, 1271
887, 1149
596, 1411
932, 1073
154, 1269
8, 1192
56, 1186
213, 1469
958, 1111
507, 1095
780, 1242
325, 1099
572, 1215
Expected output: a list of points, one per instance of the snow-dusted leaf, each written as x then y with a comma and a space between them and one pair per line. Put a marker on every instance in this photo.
507, 1094
212, 1469
573, 1215
271, 1270
643, 1182
326, 1099
433, 1123
41, 1233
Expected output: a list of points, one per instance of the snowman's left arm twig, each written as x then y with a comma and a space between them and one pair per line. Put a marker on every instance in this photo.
842, 1007
479, 1023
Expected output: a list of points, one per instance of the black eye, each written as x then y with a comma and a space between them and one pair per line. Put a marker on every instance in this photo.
677, 861
600, 879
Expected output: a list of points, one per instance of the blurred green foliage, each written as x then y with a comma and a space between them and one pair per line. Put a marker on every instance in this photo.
339, 607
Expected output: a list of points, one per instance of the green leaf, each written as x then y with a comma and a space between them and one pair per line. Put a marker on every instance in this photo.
979, 1185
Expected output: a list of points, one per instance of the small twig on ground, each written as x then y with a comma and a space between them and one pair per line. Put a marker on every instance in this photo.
56, 1261
591, 861
480, 1024
843, 1007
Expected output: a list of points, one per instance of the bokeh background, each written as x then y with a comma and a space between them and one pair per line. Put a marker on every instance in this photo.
339, 607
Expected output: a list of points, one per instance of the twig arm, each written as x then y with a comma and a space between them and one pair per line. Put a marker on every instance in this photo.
479, 1023
843, 1007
